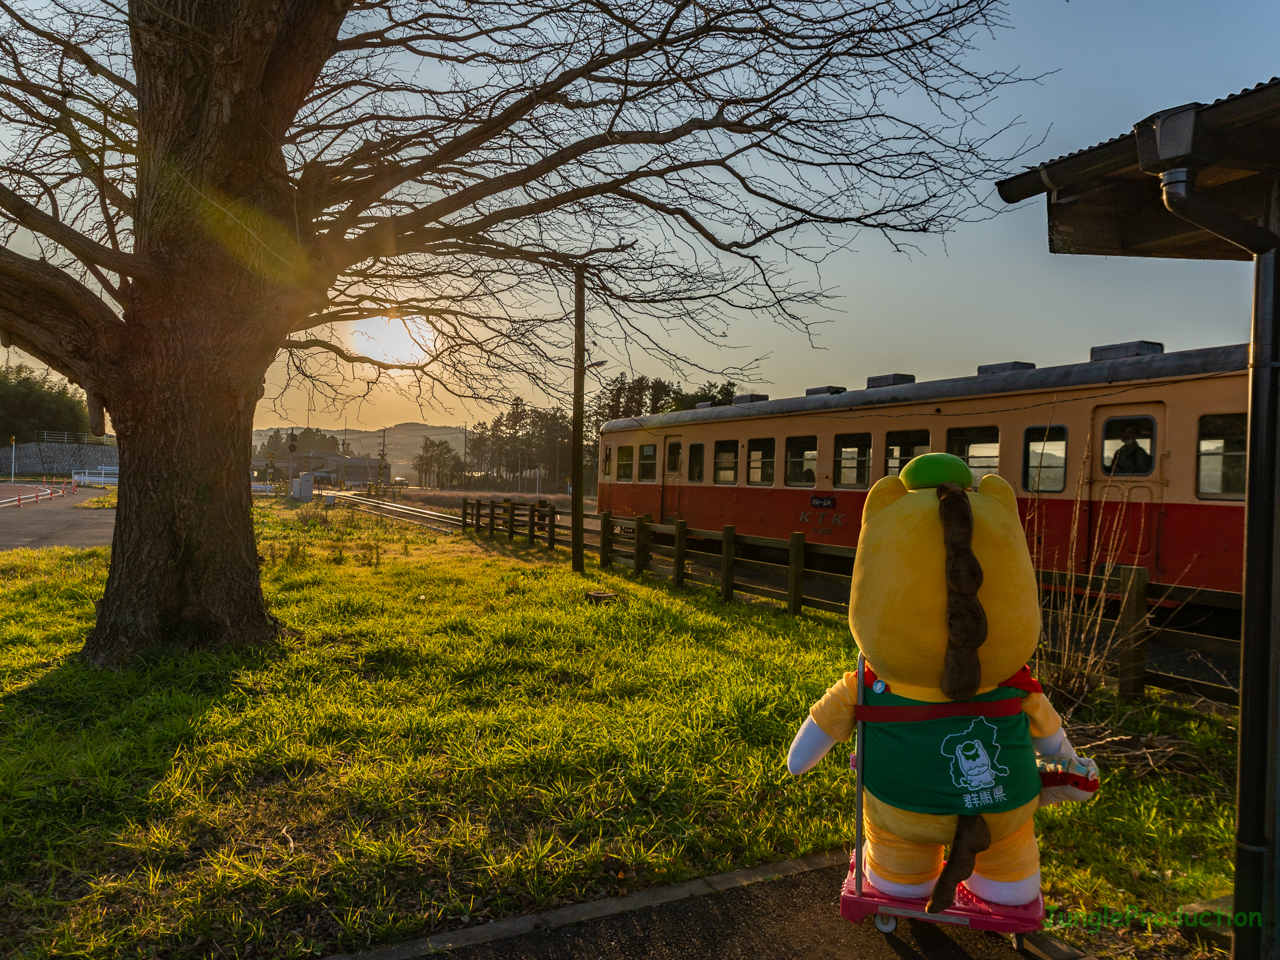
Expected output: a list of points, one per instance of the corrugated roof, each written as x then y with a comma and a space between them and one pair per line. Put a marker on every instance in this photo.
1231, 96
1105, 157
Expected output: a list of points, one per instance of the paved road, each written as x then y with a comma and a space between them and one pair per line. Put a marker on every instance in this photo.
52, 523
795, 917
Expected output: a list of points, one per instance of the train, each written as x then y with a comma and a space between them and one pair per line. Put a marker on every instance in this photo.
1136, 457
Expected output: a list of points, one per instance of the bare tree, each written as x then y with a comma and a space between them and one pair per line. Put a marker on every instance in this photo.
191, 187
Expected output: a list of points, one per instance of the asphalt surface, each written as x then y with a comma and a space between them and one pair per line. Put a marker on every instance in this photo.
52, 523
795, 917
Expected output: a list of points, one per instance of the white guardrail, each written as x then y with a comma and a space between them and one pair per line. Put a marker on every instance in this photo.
101, 477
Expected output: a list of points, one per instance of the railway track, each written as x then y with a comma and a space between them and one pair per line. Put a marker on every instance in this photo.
443, 522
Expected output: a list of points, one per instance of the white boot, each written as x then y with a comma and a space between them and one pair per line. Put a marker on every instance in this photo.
1008, 893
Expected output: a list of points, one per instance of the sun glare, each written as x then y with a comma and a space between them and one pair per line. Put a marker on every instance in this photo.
388, 340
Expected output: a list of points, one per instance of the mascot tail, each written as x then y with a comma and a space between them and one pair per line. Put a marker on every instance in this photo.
972, 837
961, 671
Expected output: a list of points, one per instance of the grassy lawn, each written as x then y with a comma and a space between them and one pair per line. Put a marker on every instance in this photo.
449, 734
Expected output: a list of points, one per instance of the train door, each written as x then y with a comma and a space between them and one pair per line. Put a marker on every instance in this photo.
1127, 479
672, 467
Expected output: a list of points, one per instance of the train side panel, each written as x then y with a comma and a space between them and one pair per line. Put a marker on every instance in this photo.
1159, 520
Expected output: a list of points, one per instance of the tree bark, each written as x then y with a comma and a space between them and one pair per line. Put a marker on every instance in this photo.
184, 562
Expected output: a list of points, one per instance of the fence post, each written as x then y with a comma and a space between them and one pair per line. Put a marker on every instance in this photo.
533, 520
551, 526
606, 540
638, 559
1131, 660
728, 547
795, 574
682, 533
490, 519
511, 519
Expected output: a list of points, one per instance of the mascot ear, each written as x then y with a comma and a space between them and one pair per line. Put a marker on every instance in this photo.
997, 488
886, 491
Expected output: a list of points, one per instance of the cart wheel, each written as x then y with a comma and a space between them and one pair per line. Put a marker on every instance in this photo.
1018, 942
885, 923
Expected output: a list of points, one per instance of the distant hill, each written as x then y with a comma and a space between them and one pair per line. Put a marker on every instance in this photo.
404, 440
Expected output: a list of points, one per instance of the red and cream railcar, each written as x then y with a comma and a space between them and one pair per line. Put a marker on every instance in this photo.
1136, 457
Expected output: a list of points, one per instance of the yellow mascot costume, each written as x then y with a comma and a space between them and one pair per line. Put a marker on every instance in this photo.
945, 609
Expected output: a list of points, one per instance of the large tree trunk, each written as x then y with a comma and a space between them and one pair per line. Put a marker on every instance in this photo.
184, 562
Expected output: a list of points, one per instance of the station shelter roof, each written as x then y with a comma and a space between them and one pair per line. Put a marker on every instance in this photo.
1102, 201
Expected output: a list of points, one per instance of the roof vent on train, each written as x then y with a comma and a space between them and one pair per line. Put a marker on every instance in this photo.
749, 398
987, 369
823, 391
890, 380
1119, 351
704, 405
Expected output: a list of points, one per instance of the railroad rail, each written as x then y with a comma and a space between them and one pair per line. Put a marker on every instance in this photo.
444, 522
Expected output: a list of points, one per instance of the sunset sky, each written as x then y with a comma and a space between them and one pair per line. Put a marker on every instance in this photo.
992, 292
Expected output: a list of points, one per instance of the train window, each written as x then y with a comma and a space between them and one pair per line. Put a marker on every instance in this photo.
673, 457
1044, 459
1126, 446
626, 458
695, 462
648, 462
760, 462
900, 446
1221, 458
853, 460
979, 447
726, 470
608, 459
802, 462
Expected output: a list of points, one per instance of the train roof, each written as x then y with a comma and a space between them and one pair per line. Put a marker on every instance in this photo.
1160, 366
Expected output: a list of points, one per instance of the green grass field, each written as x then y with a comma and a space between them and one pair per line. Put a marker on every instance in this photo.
450, 733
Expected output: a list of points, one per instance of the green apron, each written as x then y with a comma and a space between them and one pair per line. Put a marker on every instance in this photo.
950, 765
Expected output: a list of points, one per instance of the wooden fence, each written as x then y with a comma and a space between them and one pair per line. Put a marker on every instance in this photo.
714, 558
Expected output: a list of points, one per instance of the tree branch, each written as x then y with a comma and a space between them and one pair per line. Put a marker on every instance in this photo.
37, 221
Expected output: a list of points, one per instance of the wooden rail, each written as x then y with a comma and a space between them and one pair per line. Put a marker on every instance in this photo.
798, 582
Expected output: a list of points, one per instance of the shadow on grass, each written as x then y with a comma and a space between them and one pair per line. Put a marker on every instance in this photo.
80, 751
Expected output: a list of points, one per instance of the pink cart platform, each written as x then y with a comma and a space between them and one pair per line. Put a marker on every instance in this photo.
859, 899
967, 911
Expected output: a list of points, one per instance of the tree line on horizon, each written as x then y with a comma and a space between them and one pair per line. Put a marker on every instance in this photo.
508, 451
31, 401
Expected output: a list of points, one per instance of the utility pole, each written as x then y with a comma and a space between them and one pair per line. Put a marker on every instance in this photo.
580, 368
579, 376
382, 461
13, 456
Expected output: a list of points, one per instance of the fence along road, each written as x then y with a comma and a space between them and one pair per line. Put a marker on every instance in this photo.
675, 552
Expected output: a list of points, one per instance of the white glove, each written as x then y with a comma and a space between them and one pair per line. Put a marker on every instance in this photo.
1065, 774
810, 745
